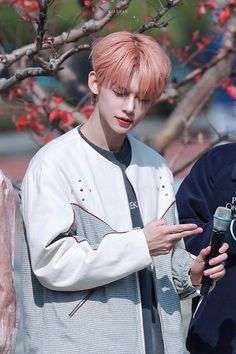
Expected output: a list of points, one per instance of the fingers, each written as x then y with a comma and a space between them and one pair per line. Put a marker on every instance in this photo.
161, 237
219, 259
216, 272
196, 231
216, 260
224, 248
183, 230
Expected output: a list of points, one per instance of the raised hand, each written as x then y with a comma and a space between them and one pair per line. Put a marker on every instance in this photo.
161, 237
217, 270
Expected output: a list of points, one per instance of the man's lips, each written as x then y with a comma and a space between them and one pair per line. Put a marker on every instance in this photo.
124, 119
124, 122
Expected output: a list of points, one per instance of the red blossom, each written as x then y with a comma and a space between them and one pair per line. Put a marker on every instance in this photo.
87, 110
226, 83
54, 115
203, 6
201, 10
64, 116
21, 89
68, 118
23, 122
200, 45
28, 122
88, 3
49, 137
86, 13
195, 36
89, 7
12, 2
224, 15
32, 6
28, 8
197, 77
32, 108
147, 18
203, 42
211, 4
57, 100
165, 40
171, 101
16, 91
110, 25
25, 4
37, 127
231, 91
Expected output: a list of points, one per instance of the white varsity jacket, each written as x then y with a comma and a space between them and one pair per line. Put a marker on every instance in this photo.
66, 179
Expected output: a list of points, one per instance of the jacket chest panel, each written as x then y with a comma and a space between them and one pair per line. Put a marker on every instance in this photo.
102, 192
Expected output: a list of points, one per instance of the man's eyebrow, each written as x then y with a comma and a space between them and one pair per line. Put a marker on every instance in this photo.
119, 88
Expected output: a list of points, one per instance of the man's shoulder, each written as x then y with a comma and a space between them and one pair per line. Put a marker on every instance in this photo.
224, 148
221, 154
55, 149
145, 152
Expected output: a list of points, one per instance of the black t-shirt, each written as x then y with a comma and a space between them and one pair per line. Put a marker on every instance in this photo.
151, 320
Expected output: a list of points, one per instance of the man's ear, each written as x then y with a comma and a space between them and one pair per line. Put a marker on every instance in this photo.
92, 83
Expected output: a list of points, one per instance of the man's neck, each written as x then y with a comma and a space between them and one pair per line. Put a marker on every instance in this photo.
95, 133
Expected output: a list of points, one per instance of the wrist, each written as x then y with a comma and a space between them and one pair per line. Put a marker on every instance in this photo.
195, 280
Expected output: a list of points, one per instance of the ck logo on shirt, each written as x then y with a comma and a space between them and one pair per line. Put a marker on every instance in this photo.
133, 205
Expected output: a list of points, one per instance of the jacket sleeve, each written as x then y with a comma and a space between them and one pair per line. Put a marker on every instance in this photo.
196, 204
181, 265
62, 260
181, 261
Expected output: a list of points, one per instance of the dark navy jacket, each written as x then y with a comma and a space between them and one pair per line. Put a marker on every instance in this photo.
212, 183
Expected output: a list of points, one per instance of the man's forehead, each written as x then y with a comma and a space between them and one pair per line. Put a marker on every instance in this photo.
132, 87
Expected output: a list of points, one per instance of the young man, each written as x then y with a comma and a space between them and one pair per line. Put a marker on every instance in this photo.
210, 184
107, 262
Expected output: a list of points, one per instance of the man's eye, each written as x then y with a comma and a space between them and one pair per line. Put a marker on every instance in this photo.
144, 100
119, 94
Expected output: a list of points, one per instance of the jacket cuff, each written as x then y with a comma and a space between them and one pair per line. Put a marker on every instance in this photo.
181, 265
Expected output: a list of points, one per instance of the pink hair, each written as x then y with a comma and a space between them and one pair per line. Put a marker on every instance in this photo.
116, 57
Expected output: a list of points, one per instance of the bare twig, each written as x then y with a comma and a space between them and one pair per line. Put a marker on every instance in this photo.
49, 66
188, 109
43, 7
46, 69
67, 37
154, 23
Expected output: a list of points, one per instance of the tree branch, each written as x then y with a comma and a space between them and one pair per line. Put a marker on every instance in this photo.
192, 103
50, 65
43, 7
154, 22
67, 37
47, 68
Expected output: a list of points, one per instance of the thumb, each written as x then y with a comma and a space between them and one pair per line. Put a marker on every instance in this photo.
201, 258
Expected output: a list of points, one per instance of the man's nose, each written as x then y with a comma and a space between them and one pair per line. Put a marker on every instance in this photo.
129, 104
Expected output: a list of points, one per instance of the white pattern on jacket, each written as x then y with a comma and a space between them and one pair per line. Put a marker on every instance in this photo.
66, 173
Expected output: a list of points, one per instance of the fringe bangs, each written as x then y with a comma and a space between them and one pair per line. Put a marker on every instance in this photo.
118, 55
